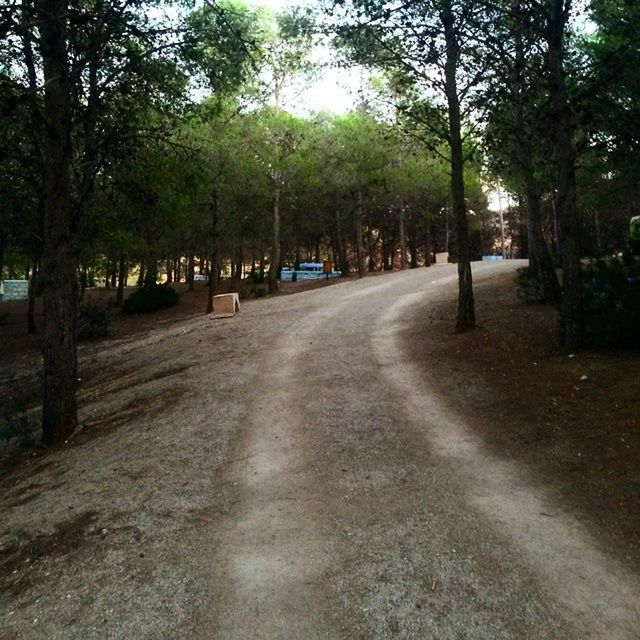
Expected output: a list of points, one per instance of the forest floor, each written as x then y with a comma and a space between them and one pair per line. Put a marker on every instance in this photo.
334, 464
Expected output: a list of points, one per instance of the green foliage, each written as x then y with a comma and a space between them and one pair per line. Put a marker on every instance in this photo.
93, 321
612, 302
151, 298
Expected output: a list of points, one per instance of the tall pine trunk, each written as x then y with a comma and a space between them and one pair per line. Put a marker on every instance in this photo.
214, 255
275, 251
59, 268
571, 311
466, 306
402, 231
122, 278
359, 242
540, 260
342, 250
191, 270
31, 304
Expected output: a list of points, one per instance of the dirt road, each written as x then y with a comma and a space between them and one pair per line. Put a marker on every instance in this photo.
291, 475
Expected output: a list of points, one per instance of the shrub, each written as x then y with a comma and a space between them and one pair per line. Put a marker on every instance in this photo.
93, 321
529, 285
151, 298
612, 302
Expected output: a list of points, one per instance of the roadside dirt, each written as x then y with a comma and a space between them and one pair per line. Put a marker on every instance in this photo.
571, 419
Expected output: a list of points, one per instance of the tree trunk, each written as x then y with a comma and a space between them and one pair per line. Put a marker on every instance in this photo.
214, 257
466, 307
359, 243
539, 256
59, 268
2, 245
31, 306
191, 270
371, 250
413, 255
403, 239
275, 252
151, 275
342, 250
428, 247
122, 278
571, 312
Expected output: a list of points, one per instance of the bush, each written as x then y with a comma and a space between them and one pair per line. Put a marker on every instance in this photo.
151, 298
93, 321
612, 302
529, 285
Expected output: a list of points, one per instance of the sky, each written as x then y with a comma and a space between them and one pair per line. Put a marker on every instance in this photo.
334, 90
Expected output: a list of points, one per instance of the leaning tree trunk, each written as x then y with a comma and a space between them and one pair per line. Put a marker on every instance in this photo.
466, 307
571, 311
275, 252
59, 268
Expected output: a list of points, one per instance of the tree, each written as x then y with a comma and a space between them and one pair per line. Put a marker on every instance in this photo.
516, 119
430, 49
105, 69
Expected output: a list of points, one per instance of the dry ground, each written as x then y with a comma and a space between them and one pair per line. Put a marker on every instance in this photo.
334, 464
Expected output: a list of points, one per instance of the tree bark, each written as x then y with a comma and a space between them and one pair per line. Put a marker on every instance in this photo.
191, 270
359, 242
539, 256
403, 239
466, 306
342, 250
275, 252
59, 267
571, 311
2, 245
122, 277
214, 255
428, 247
31, 306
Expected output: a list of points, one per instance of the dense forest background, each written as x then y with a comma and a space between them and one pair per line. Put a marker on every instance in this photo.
147, 142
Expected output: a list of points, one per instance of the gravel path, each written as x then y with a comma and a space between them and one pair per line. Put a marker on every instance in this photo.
291, 476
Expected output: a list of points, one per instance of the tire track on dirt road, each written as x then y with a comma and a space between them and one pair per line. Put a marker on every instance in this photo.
270, 581
601, 597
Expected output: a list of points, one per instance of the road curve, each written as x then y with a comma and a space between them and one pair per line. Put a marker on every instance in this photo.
359, 507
